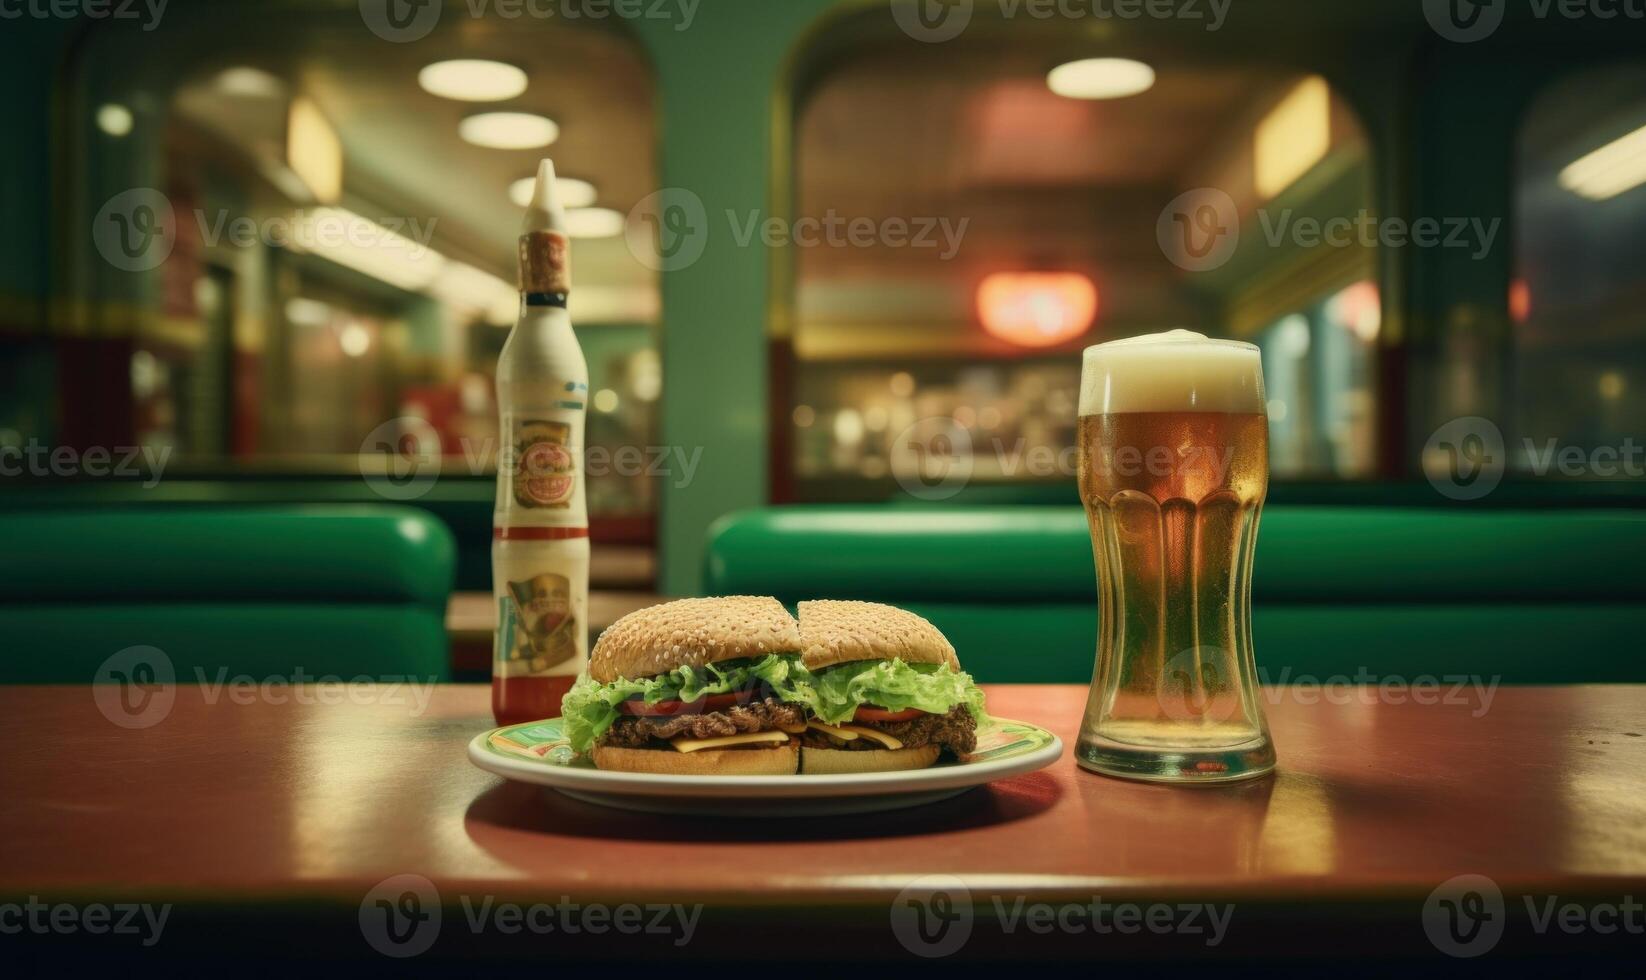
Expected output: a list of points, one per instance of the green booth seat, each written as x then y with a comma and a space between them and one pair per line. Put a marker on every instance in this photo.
263, 592
1530, 597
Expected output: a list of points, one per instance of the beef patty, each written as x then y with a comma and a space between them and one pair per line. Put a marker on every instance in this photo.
955, 731
633, 732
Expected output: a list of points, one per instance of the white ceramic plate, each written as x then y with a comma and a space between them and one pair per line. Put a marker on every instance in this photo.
538, 753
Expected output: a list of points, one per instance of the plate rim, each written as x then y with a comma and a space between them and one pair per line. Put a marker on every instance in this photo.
796, 786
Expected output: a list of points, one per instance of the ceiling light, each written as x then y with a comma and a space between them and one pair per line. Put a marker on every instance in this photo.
1293, 137
1609, 171
314, 151
509, 130
573, 193
114, 119
368, 248
1101, 78
250, 83
594, 223
472, 80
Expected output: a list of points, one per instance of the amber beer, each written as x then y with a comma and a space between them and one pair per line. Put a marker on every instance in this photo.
1174, 468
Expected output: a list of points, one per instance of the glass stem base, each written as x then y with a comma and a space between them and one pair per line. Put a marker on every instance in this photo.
1184, 766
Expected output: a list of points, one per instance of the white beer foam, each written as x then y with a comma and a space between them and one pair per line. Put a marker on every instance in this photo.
1177, 371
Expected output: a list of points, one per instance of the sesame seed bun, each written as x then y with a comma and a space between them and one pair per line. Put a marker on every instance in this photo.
692, 633
836, 632
817, 761
783, 760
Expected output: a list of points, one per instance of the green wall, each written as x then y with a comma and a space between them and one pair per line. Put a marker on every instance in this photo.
717, 84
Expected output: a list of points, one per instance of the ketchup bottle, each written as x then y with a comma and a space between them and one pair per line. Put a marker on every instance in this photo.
540, 527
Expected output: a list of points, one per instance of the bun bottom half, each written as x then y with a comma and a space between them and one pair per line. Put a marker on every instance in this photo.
823, 761
783, 760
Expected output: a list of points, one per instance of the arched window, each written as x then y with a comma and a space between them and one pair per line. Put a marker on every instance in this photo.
1578, 301
303, 234
986, 207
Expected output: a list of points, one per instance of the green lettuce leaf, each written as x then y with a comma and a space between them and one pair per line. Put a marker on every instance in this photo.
589, 708
837, 692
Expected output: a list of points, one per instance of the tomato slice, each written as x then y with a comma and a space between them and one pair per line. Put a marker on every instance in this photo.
868, 714
668, 709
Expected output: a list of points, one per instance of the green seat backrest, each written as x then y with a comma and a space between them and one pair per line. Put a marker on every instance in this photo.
1358, 593
226, 593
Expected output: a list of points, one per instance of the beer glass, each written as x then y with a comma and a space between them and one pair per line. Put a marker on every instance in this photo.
1174, 468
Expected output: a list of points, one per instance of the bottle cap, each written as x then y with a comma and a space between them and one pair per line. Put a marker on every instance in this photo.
544, 213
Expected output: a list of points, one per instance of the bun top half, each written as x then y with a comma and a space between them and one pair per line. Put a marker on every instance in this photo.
835, 632
692, 633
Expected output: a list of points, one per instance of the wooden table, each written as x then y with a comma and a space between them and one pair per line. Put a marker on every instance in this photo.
253, 815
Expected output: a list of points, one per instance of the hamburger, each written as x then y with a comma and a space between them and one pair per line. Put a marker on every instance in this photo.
886, 691
694, 687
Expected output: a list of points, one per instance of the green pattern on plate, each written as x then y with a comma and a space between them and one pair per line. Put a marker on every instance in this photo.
999, 738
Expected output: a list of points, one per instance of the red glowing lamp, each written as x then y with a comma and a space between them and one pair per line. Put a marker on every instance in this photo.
1037, 309
1520, 300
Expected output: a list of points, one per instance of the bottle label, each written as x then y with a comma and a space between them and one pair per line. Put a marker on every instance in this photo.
545, 263
545, 469
538, 626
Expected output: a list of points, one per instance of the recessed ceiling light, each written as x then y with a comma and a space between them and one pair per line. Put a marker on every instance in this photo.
247, 82
573, 193
594, 223
509, 130
472, 80
1101, 78
114, 119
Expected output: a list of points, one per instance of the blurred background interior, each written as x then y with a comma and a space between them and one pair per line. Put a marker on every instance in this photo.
282, 366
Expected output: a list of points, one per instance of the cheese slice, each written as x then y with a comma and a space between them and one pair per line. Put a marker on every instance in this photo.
874, 736
747, 738
837, 732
